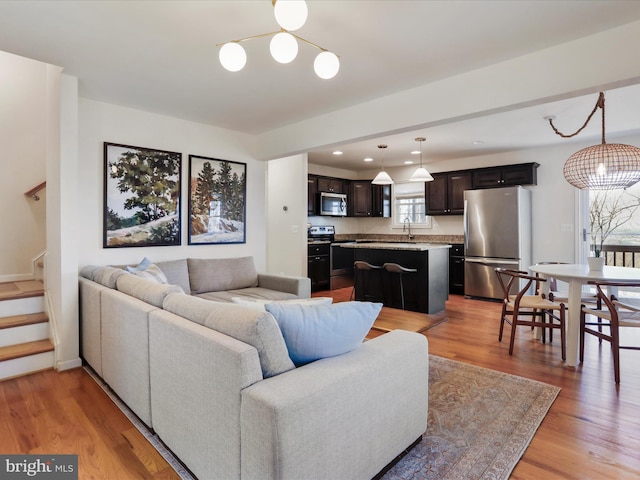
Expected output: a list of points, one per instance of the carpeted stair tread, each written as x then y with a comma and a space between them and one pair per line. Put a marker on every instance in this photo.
22, 320
24, 349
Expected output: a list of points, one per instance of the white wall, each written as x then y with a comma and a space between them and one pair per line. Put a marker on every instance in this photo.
102, 122
287, 228
23, 149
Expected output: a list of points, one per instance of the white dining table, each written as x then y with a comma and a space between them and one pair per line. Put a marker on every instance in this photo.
577, 275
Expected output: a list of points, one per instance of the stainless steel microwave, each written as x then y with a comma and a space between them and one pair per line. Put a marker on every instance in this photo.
333, 204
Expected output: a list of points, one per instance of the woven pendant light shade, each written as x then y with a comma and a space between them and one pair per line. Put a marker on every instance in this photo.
606, 166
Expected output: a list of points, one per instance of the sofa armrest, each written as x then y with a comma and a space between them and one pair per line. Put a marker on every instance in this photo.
341, 417
299, 286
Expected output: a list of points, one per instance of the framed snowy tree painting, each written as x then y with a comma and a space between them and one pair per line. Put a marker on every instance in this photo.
217, 201
141, 196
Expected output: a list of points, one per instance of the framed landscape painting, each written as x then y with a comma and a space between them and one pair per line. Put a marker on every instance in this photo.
217, 201
141, 196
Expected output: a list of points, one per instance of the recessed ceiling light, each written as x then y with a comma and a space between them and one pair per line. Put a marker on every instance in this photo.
415, 152
337, 152
477, 142
368, 159
408, 162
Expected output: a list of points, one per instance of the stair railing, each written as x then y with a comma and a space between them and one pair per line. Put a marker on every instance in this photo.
33, 193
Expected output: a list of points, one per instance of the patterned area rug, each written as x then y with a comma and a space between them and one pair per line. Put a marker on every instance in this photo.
480, 423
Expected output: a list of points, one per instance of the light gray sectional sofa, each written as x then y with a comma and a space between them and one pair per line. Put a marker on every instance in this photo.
215, 381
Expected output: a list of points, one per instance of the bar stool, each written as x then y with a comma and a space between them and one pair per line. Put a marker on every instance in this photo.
363, 269
400, 271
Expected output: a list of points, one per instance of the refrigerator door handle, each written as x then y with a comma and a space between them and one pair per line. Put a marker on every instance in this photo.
465, 222
491, 261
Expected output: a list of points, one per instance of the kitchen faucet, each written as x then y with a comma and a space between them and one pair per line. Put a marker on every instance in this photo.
404, 226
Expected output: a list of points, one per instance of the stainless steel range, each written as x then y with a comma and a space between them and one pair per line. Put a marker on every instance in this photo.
321, 234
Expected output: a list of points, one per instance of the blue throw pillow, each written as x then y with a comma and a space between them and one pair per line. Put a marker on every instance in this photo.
141, 267
312, 332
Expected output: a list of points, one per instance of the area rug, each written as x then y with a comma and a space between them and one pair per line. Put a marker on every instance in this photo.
480, 423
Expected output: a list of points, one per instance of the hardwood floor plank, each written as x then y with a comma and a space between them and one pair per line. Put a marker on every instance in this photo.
592, 430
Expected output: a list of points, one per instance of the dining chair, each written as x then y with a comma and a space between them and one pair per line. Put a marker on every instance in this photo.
610, 318
562, 296
528, 309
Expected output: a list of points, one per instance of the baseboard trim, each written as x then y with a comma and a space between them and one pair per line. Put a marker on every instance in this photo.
68, 364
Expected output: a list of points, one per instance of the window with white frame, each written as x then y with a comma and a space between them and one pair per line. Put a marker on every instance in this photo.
409, 205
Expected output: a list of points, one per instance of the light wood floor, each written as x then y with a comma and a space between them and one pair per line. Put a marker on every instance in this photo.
592, 431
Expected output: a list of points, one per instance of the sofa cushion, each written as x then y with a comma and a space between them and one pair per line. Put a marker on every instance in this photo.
259, 303
248, 293
177, 273
258, 329
103, 275
312, 332
217, 274
146, 290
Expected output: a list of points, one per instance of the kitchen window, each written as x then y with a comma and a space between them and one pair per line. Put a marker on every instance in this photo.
409, 205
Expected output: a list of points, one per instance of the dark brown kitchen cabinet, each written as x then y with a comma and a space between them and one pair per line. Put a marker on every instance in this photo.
381, 201
367, 200
312, 197
456, 269
359, 201
445, 194
505, 176
330, 184
319, 266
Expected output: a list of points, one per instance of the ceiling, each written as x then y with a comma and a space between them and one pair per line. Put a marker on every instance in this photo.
161, 56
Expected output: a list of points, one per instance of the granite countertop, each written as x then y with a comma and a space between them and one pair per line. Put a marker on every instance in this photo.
420, 247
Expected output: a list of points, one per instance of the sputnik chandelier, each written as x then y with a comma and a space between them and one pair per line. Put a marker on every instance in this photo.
605, 166
290, 15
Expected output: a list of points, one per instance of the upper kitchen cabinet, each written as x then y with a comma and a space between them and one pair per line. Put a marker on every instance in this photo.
381, 200
312, 197
330, 184
445, 194
359, 201
367, 200
505, 176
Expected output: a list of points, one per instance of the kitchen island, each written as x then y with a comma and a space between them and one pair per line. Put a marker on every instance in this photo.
425, 291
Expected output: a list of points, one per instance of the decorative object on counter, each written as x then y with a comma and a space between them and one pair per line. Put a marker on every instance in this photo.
290, 15
605, 166
217, 201
421, 174
595, 263
383, 177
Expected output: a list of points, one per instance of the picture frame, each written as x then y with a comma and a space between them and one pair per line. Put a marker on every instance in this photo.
217, 201
142, 196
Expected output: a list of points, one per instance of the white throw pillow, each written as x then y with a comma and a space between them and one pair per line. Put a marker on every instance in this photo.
259, 303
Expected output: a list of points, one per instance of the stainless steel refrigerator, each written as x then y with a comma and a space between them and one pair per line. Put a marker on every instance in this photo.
497, 233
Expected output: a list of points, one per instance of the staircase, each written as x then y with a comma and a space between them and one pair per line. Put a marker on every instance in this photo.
25, 345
